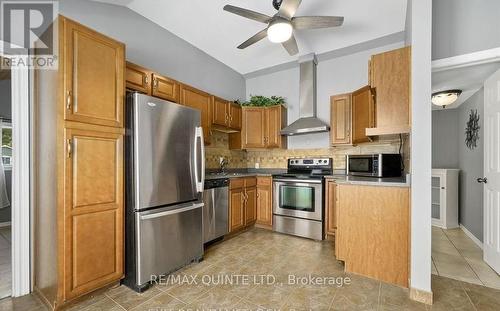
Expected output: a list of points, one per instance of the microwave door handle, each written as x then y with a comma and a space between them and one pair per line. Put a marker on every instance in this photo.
199, 181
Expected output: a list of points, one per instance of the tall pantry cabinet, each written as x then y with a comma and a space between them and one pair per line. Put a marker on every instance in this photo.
78, 182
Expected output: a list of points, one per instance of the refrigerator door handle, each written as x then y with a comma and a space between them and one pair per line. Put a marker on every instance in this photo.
199, 182
171, 212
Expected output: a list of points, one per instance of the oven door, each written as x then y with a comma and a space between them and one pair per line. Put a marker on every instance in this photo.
298, 198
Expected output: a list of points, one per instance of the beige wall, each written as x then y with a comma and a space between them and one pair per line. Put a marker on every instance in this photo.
277, 158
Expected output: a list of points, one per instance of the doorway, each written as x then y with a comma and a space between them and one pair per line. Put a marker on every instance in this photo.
459, 150
5, 182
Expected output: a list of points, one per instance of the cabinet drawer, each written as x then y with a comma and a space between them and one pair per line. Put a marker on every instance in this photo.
264, 181
250, 182
236, 183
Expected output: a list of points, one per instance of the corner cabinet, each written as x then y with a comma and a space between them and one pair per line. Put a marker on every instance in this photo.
201, 101
445, 198
78, 184
389, 78
261, 129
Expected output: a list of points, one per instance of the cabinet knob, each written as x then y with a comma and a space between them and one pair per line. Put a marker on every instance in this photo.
155, 83
146, 80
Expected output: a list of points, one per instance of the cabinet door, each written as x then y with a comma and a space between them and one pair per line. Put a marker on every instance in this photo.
202, 101
390, 78
234, 116
138, 78
341, 119
220, 112
250, 205
236, 209
273, 127
362, 114
264, 201
253, 131
93, 212
94, 75
165, 88
330, 199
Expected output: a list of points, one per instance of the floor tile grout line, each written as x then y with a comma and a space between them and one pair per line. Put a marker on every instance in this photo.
435, 266
468, 297
116, 302
461, 255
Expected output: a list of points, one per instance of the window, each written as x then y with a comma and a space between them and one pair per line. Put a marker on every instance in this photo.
6, 150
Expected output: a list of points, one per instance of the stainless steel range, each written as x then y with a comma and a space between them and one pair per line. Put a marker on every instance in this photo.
298, 197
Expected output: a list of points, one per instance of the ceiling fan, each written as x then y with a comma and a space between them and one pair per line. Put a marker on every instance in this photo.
280, 26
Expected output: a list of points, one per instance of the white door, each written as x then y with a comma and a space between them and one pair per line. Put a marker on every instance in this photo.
491, 245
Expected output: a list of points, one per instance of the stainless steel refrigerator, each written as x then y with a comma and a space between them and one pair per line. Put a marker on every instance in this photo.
165, 171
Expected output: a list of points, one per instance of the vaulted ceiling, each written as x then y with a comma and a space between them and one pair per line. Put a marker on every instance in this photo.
205, 25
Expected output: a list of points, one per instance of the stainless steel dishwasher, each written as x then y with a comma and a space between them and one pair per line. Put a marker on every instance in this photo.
216, 209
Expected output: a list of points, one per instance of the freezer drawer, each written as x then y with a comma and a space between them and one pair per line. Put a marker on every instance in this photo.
168, 239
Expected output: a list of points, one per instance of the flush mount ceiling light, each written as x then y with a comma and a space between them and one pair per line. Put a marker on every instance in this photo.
279, 30
445, 98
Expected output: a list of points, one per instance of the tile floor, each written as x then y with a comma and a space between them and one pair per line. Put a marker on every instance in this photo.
257, 252
456, 256
5, 262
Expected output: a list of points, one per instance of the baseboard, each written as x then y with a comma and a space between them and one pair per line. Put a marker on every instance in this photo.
421, 296
471, 236
5, 224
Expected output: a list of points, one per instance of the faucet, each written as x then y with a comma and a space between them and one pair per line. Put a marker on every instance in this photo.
223, 164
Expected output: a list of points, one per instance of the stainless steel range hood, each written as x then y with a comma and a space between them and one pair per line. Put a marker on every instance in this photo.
308, 122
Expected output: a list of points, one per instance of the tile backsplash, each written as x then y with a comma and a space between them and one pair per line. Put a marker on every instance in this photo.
277, 158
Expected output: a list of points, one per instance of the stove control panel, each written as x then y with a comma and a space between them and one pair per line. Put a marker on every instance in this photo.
310, 162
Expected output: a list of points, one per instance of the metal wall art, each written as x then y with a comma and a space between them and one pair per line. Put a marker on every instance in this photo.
472, 130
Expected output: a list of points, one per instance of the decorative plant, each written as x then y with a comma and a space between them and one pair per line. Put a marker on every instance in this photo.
263, 101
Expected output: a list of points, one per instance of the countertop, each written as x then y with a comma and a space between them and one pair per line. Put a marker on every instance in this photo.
403, 181
237, 173
339, 178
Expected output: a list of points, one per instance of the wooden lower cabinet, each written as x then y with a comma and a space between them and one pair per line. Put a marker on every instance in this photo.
373, 231
242, 203
264, 201
331, 210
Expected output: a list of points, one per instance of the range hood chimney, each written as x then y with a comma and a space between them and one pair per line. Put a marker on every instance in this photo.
308, 122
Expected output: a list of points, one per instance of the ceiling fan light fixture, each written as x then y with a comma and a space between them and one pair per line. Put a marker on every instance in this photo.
445, 98
279, 31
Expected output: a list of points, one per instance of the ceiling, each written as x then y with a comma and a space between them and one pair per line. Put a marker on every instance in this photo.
469, 79
205, 25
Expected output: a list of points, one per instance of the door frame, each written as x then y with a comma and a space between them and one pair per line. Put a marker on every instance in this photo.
21, 178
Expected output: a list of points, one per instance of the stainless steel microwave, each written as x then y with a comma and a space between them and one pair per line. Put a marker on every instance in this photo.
375, 165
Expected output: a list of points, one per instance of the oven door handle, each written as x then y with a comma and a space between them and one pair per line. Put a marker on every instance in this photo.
304, 181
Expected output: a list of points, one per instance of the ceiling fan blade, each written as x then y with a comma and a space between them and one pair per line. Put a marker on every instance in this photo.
254, 39
288, 8
291, 46
316, 22
256, 16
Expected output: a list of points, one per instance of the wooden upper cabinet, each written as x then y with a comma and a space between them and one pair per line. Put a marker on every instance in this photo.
165, 88
390, 79
93, 243
94, 76
331, 210
253, 132
264, 201
273, 127
202, 101
234, 116
220, 112
340, 119
363, 114
138, 78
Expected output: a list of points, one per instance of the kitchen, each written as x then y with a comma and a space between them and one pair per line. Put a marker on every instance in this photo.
168, 172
